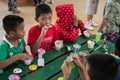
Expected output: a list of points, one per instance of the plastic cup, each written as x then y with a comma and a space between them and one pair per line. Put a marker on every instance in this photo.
98, 36
70, 60
58, 44
76, 48
86, 33
90, 44
29, 60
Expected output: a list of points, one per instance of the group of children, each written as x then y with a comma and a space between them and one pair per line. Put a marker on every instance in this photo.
43, 35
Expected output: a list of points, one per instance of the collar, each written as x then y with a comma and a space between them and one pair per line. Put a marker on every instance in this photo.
11, 45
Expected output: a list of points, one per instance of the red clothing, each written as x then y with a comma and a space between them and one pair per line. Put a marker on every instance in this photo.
48, 40
64, 24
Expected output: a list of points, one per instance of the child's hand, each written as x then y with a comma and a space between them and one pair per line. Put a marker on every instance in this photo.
22, 56
66, 69
75, 20
44, 30
79, 61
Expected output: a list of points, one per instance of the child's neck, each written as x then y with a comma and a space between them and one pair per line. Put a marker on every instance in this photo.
14, 42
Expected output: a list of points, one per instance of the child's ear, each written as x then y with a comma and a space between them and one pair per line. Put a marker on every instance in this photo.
11, 33
36, 19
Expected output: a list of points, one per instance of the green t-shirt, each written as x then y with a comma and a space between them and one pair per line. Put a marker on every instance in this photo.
7, 49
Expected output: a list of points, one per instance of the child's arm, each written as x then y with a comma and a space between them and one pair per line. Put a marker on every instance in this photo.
80, 62
7, 62
35, 46
66, 69
81, 25
68, 36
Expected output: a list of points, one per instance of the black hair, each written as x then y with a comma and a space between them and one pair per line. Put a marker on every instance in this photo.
41, 9
11, 22
102, 67
117, 46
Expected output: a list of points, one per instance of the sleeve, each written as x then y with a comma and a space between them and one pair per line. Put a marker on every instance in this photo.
68, 36
23, 45
81, 26
32, 36
3, 52
109, 10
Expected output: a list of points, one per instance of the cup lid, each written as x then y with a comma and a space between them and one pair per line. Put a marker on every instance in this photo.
76, 46
33, 67
17, 70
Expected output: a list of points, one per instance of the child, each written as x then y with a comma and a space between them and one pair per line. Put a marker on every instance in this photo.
117, 46
44, 33
12, 47
117, 53
95, 67
67, 24
12, 6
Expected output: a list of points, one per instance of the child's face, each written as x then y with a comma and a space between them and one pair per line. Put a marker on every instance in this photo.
20, 32
44, 19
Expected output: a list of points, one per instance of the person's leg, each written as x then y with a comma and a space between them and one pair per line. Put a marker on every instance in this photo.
51, 1
40, 1
44, 1
9, 5
14, 7
89, 12
89, 17
35, 2
95, 12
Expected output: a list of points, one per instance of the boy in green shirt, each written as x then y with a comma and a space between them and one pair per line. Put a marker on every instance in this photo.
12, 46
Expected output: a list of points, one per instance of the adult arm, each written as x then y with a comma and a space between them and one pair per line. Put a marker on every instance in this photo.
104, 22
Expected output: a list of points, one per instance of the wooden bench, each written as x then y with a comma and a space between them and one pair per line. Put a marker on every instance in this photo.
53, 62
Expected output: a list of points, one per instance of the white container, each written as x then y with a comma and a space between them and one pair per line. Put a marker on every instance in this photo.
29, 60
41, 62
90, 44
86, 33
76, 48
58, 44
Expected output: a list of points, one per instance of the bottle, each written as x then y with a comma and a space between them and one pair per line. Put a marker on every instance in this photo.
41, 51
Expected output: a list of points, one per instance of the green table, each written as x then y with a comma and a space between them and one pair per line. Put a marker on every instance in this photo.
53, 62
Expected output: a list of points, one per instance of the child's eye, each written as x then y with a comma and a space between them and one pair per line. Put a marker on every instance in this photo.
50, 18
43, 19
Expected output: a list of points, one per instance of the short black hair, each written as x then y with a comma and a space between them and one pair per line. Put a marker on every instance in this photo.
102, 67
117, 46
11, 22
41, 9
